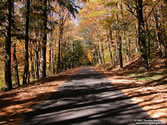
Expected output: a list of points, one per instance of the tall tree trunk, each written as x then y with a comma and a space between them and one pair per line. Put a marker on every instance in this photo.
141, 31
54, 57
110, 45
93, 58
36, 60
8, 79
124, 32
126, 46
44, 43
137, 38
26, 65
15, 66
50, 57
129, 47
148, 40
119, 40
115, 55
32, 61
15, 63
160, 33
96, 56
59, 48
99, 53
102, 51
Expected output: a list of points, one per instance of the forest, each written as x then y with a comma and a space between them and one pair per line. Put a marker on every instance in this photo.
40, 39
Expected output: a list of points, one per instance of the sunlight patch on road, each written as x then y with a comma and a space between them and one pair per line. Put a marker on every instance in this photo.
137, 100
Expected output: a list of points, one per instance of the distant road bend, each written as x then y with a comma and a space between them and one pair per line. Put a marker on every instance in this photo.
86, 99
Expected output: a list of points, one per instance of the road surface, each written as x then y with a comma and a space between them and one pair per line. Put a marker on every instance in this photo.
88, 98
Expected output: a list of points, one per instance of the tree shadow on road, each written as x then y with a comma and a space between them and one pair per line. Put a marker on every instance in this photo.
86, 99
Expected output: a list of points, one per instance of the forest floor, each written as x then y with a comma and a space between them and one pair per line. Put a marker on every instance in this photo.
87, 98
145, 88
14, 103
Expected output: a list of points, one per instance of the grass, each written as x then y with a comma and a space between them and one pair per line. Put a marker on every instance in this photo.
146, 76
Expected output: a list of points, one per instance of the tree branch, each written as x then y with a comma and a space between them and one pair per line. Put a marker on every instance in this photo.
130, 10
152, 9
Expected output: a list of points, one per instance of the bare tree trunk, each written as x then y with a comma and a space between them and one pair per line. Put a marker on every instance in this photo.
59, 49
109, 45
44, 43
37, 57
126, 46
119, 40
124, 33
160, 33
129, 47
149, 40
137, 39
54, 57
26, 66
141, 31
15, 66
97, 56
50, 57
32, 61
15, 63
93, 58
102, 51
99, 53
8, 79
115, 54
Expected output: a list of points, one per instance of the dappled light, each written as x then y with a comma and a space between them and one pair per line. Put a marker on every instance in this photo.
83, 62
90, 99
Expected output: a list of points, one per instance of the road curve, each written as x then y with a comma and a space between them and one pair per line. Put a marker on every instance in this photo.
87, 98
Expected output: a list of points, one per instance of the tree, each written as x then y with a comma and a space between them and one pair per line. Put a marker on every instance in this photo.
44, 41
8, 80
15, 62
141, 29
62, 20
71, 8
15, 65
26, 65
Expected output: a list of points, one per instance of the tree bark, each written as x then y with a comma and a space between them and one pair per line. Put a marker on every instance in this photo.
126, 46
15, 66
32, 61
102, 51
110, 45
44, 43
26, 65
129, 47
119, 39
149, 40
36, 60
50, 57
142, 33
59, 48
160, 33
54, 57
137, 39
8, 79
124, 33
99, 53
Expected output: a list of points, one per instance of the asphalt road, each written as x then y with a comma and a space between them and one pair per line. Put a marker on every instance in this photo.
86, 99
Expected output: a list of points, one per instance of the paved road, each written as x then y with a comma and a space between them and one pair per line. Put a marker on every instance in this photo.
86, 99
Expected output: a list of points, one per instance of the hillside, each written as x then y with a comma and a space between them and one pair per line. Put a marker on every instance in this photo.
146, 88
